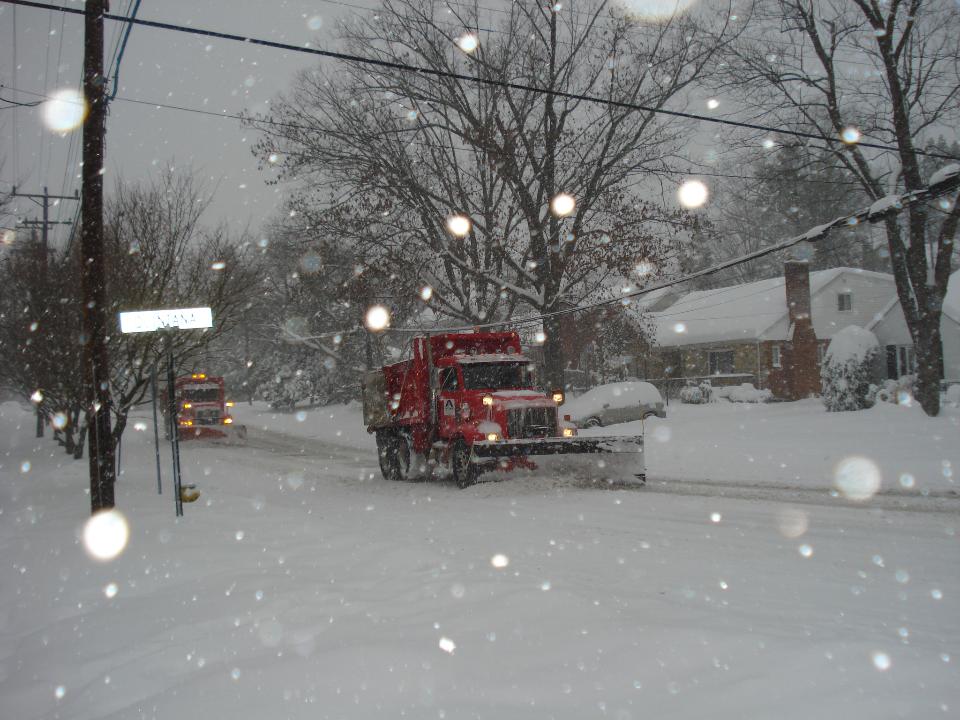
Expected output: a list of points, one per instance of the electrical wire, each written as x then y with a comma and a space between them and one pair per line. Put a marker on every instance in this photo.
471, 78
279, 123
945, 185
132, 14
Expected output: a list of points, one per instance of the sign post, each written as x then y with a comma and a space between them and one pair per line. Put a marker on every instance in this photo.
166, 322
156, 428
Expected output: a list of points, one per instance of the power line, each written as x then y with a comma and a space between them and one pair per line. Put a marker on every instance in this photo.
470, 78
948, 183
640, 29
279, 123
132, 14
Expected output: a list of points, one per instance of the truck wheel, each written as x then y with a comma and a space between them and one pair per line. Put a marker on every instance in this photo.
593, 422
464, 473
387, 452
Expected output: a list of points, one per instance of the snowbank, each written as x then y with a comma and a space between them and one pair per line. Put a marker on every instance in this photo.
746, 393
800, 445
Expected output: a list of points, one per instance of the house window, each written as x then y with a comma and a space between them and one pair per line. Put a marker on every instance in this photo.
721, 362
775, 356
844, 302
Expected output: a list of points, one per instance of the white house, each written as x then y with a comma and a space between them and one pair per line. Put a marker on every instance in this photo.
760, 332
890, 327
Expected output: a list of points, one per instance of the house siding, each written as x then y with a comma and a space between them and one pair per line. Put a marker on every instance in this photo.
871, 295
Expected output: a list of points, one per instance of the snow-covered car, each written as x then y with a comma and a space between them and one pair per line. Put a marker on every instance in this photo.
614, 403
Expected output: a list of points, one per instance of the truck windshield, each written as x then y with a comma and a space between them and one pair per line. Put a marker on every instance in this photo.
200, 394
495, 376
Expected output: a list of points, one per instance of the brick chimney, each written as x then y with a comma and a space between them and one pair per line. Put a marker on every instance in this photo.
796, 273
800, 362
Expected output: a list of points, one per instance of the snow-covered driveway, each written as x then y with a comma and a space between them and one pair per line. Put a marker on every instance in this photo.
302, 585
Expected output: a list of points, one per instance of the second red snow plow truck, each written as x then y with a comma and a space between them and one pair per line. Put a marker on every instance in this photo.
202, 409
467, 403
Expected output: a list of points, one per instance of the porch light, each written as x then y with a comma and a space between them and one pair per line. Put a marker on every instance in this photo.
569, 432
187, 406
228, 421
558, 397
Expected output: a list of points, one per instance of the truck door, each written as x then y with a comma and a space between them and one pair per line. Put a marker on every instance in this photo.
449, 397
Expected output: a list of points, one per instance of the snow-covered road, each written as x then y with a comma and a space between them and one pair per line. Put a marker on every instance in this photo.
302, 585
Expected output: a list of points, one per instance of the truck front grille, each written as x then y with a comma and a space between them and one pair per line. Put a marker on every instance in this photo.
532, 422
207, 417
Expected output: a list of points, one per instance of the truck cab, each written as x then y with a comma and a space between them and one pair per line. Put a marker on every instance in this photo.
202, 409
490, 397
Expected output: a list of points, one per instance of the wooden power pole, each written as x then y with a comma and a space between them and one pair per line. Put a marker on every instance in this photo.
96, 367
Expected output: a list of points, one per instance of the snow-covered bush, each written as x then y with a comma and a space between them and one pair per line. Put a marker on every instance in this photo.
747, 393
847, 369
706, 390
893, 391
696, 394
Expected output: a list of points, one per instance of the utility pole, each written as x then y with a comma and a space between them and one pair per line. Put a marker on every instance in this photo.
43, 200
96, 367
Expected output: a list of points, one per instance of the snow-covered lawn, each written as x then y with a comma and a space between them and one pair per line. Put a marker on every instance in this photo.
799, 444
301, 585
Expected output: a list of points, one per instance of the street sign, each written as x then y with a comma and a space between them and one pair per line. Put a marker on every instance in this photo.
152, 320
138, 321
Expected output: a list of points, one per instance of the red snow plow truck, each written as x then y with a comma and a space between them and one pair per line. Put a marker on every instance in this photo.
467, 404
202, 409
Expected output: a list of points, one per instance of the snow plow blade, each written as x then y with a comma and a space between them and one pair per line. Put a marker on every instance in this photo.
610, 459
220, 434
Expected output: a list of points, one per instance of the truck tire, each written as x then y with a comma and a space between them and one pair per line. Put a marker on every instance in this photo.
387, 452
464, 473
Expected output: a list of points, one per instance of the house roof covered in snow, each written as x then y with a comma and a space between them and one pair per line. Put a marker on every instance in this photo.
749, 312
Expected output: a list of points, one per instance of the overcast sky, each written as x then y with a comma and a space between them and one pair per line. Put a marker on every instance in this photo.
159, 66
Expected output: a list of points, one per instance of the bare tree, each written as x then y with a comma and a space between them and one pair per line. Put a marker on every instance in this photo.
410, 150
787, 190
160, 255
887, 71
39, 328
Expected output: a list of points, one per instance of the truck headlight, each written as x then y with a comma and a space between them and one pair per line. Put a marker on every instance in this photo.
569, 432
487, 400
187, 406
492, 437
228, 421
229, 403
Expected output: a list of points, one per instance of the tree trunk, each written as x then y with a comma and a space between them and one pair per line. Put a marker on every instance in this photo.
553, 364
929, 351
119, 426
68, 444
78, 448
